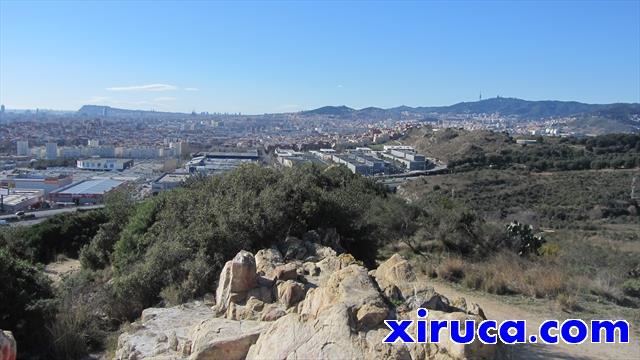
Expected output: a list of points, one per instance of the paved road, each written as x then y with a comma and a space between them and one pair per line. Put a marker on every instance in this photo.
43, 214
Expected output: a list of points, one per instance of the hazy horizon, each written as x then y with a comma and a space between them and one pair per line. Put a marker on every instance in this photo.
279, 57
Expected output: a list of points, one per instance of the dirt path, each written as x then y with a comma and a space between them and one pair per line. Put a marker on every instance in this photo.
500, 311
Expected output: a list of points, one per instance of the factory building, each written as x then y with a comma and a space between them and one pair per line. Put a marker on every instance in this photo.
169, 181
85, 192
22, 147
35, 181
104, 164
51, 151
406, 157
21, 200
214, 163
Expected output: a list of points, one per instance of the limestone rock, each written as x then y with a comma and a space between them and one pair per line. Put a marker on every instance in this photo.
267, 260
8, 347
351, 287
224, 339
272, 312
237, 278
396, 271
261, 293
287, 271
153, 334
290, 292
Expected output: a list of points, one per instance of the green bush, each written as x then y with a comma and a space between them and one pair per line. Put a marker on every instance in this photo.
173, 246
631, 287
27, 301
61, 234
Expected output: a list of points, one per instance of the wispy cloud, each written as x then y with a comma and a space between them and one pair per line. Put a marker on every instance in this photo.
191, 89
340, 86
149, 87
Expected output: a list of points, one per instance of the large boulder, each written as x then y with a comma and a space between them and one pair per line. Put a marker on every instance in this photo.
350, 287
267, 260
290, 292
396, 271
227, 339
161, 331
8, 348
294, 337
237, 278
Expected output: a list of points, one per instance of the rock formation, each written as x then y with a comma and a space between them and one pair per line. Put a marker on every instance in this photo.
8, 350
301, 300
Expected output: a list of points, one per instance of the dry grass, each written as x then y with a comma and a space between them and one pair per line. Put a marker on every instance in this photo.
506, 273
451, 269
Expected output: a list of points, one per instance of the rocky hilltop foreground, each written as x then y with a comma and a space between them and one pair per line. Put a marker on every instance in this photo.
300, 301
7, 346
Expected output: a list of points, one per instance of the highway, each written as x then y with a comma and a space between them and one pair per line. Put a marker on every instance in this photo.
39, 216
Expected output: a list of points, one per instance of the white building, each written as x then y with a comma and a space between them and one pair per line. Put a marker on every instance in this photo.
51, 151
23, 147
100, 164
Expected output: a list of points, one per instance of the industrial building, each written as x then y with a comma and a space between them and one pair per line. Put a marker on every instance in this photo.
35, 181
407, 157
169, 181
214, 163
21, 200
51, 151
85, 192
22, 147
104, 164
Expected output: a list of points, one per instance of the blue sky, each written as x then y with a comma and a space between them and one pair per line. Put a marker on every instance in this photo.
255, 57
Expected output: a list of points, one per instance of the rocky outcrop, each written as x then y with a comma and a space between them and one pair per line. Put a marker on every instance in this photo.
224, 339
237, 278
302, 300
8, 348
162, 331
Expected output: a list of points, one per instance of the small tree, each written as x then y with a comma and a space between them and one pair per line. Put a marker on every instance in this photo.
523, 239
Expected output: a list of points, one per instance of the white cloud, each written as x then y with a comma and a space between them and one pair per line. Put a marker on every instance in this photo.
149, 87
191, 89
339, 86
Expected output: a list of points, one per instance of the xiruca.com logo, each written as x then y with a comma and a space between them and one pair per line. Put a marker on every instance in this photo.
570, 331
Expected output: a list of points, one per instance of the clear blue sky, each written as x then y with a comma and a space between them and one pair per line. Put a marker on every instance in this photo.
256, 57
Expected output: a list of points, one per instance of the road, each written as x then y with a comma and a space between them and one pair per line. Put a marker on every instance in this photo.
40, 216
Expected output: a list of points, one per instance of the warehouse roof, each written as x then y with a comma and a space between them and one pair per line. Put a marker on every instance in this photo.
93, 187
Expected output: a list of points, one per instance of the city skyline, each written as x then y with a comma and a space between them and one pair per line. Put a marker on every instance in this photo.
283, 57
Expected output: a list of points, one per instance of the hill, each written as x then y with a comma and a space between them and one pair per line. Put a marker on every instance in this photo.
331, 111
453, 144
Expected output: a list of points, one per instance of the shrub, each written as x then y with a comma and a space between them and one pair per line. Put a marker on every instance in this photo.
525, 241
172, 247
604, 285
631, 287
568, 302
26, 298
545, 281
451, 269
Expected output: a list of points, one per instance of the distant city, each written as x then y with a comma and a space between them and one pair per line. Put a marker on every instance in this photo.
60, 158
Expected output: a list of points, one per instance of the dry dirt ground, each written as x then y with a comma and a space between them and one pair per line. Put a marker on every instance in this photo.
498, 310
58, 269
